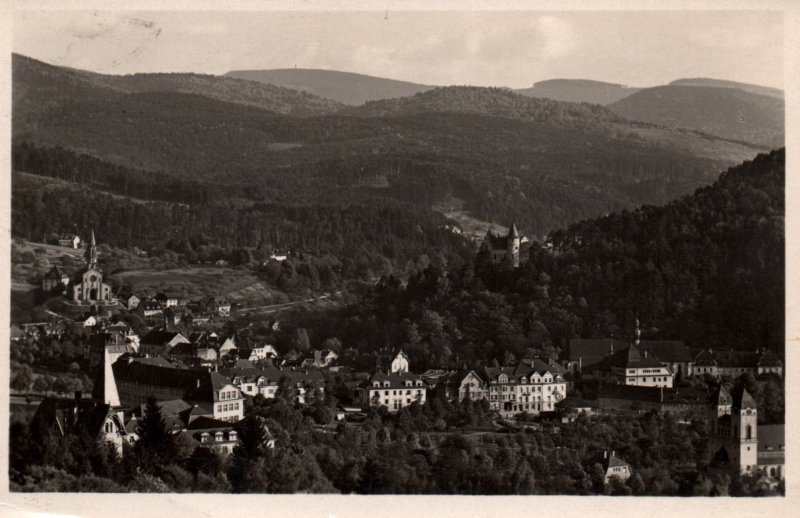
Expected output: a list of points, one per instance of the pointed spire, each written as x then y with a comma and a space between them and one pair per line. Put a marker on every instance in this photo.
91, 253
513, 232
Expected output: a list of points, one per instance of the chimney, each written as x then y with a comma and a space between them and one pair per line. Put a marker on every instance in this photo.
605, 454
198, 382
662, 393
645, 353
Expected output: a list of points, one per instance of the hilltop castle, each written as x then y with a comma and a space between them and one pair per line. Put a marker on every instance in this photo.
503, 248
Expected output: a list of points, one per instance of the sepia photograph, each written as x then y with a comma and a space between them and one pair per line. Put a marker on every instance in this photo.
397, 251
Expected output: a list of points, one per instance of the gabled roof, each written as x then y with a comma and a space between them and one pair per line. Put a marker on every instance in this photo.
667, 350
742, 398
159, 337
769, 359
593, 349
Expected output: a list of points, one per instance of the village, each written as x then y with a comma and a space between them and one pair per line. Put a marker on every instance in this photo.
205, 368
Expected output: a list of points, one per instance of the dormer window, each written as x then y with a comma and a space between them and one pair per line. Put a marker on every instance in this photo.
232, 436
219, 436
386, 384
376, 384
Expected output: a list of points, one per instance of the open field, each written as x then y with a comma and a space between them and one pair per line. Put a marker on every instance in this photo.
238, 285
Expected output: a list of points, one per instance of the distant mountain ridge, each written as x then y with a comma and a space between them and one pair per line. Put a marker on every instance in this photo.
238, 91
723, 111
579, 91
747, 87
343, 87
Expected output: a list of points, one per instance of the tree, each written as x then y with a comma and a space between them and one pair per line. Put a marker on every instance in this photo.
156, 446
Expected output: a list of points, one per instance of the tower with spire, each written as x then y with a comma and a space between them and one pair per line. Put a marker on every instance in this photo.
512, 242
91, 253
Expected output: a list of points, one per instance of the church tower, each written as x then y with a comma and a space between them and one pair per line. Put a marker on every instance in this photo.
513, 242
91, 253
734, 428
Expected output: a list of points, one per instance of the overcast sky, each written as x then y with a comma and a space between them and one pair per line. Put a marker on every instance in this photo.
512, 49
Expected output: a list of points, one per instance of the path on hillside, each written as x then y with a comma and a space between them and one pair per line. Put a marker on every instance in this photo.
272, 308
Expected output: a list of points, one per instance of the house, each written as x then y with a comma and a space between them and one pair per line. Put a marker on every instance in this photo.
55, 279
137, 380
613, 466
150, 308
87, 321
533, 387
571, 407
772, 451
66, 416
166, 301
69, 241
631, 366
255, 354
223, 308
503, 249
279, 256
159, 342
473, 388
394, 391
718, 363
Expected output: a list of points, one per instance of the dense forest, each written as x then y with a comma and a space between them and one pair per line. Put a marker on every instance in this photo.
707, 269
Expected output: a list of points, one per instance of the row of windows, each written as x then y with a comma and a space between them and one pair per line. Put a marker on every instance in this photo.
218, 437
395, 392
228, 394
227, 407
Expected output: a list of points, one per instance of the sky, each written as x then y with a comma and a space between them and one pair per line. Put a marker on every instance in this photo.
509, 48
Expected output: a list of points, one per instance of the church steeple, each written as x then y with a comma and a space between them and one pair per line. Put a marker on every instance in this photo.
91, 253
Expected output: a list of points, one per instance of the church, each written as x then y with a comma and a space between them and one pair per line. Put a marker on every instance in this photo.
736, 438
91, 289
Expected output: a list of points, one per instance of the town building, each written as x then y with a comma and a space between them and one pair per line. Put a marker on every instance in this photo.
394, 390
65, 416
159, 342
613, 466
69, 241
137, 380
92, 290
718, 363
533, 386
503, 249
400, 363
772, 451
583, 354
631, 366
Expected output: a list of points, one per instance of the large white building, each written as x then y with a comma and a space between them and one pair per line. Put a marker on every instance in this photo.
533, 386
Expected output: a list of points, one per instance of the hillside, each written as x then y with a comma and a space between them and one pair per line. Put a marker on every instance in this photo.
579, 91
720, 83
343, 87
493, 102
541, 163
707, 269
725, 112
249, 93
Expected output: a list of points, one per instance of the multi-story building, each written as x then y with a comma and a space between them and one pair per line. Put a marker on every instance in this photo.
136, 381
533, 386
718, 363
394, 390
631, 366
503, 249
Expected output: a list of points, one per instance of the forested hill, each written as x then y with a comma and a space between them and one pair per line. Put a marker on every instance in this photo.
41, 79
707, 269
344, 87
495, 102
723, 111
579, 91
720, 83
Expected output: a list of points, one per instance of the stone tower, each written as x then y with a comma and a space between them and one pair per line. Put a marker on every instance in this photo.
734, 428
513, 242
